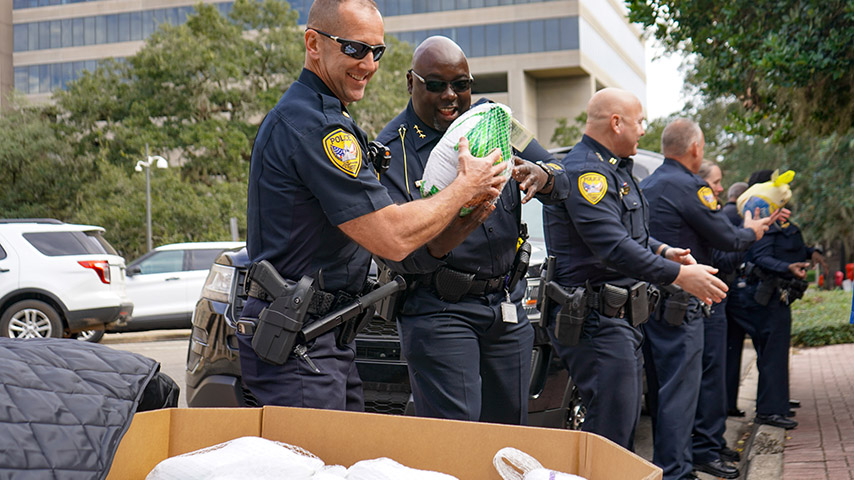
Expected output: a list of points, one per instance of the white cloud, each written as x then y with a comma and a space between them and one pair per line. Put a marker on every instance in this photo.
664, 82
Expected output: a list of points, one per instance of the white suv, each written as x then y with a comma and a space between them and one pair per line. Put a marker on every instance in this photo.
58, 279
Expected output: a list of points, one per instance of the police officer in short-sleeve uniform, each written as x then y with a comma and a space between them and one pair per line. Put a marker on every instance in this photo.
308, 175
599, 235
684, 212
466, 361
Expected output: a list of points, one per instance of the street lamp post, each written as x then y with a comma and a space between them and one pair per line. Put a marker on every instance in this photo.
146, 164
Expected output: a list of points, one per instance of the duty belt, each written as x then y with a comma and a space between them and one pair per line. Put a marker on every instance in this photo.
452, 285
320, 304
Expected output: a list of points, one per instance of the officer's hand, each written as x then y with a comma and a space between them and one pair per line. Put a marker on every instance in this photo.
799, 269
482, 176
818, 258
532, 179
759, 225
781, 214
680, 255
700, 281
458, 230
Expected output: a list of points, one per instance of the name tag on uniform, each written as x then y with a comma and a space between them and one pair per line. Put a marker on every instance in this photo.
508, 312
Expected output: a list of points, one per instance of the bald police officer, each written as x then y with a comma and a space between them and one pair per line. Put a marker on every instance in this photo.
468, 359
600, 239
316, 208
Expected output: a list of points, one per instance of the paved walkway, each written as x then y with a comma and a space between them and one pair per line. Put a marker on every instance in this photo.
822, 447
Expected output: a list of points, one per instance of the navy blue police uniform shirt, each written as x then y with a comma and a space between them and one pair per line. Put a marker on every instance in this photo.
309, 174
731, 212
490, 249
685, 214
782, 245
599, 233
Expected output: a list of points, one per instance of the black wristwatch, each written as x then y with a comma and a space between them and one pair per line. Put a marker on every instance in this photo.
550, 171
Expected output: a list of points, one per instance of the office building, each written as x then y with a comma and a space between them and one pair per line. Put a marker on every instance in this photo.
542, 58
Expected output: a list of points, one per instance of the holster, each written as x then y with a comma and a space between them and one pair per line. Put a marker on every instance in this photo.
451, 285
574, 306
520, 265
279, 324
350, 328
796, 288
612, 299
676, 305
639, 302
766, 290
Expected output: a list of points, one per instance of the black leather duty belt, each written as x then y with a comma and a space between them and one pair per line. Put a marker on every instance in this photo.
321, 302
451, 285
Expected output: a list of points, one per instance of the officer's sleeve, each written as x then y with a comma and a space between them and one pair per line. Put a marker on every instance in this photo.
763, 255
596, 213
332, 165
727, 262
701, 213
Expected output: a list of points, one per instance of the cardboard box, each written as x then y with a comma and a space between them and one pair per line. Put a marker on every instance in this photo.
462, 449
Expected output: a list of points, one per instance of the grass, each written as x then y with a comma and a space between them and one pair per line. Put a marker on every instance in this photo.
821, 318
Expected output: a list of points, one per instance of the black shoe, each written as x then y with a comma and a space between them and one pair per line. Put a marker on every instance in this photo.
794, 403
734, 412
776, 421
717, 468
730, 455
790, 413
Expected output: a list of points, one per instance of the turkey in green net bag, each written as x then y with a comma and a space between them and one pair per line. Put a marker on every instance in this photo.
487, 127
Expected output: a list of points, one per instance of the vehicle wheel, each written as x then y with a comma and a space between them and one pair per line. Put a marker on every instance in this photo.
30, 319
91, 336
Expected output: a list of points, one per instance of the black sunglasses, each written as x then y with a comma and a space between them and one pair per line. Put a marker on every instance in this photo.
438, 86
355, 48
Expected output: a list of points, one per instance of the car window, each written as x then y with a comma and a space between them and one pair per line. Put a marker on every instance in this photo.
163, 262
202, 259
2, 253
55, 244
101, 242
532, 215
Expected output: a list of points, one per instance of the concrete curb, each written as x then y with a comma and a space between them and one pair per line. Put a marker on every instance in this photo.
764, 453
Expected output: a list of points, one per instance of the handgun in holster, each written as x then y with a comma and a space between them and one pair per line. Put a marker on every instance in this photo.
570, 319
796, 289
676, 305
520, 264
389, 307
279, 323
358, 312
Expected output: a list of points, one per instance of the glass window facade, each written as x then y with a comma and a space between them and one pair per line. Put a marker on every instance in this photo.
48, 77
78, 32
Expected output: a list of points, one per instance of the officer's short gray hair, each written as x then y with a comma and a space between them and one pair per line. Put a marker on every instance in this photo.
323, 14
736, 190
678, 136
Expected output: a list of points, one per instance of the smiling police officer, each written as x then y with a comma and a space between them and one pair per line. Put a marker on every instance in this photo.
468, 358
315, 205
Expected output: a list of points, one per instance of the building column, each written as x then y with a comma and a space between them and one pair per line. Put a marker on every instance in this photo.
7, 71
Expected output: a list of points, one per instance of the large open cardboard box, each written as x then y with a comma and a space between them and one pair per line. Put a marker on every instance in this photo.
462, 449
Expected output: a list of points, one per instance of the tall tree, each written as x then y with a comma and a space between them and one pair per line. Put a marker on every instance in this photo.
789, 62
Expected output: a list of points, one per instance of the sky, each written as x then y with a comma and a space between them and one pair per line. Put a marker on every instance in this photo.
663, 82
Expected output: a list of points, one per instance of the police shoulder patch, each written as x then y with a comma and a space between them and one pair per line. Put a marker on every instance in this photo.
592, 186
707, 198
343, 150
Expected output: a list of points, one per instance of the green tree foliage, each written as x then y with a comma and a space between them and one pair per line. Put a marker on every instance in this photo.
566, 134
790, 63
386, 94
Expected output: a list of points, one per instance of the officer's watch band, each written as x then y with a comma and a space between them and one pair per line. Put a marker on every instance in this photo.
549, 171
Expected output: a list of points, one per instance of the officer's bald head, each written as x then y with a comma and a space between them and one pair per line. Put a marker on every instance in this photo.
615, 119
439, 59
437, 50
682, 140
324, 14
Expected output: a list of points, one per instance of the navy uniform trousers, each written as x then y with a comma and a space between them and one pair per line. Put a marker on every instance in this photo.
710, 422
608, 354
734, 346
674, 358
465, 362
337, 387
770, 328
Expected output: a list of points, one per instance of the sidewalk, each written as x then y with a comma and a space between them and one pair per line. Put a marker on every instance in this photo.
822, 447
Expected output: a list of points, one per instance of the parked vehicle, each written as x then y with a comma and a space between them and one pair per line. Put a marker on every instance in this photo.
58, 279
165, 283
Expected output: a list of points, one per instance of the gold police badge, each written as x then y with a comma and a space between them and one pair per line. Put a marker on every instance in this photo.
343, 149
592, 186
708, 198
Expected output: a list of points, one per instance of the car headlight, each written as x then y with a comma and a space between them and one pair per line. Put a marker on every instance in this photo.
218, 285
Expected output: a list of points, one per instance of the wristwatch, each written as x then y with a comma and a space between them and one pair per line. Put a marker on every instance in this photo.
550, 171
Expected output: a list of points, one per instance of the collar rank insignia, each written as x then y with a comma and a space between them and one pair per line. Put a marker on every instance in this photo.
785, 225
343, 150
613, 161
592, 186
419, 132
625, 189
707, 198
344, 112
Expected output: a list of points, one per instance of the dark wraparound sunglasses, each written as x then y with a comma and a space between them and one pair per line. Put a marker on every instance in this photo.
355, 48
438, 86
